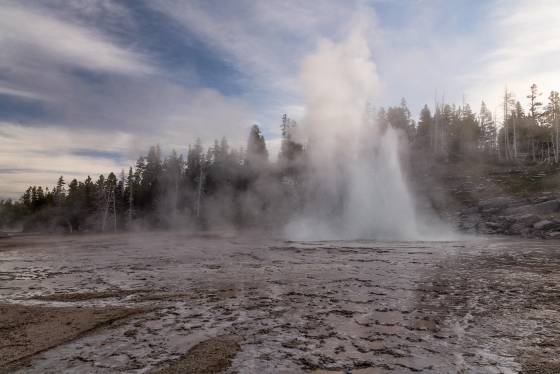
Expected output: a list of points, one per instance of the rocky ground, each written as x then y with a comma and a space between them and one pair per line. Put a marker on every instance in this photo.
535, 217
175, 303
493, 199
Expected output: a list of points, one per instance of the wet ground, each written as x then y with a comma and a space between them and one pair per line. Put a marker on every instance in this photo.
174, 303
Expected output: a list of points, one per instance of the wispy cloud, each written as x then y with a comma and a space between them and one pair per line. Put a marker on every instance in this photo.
264, 40
525, 50
27, 32
81, 74
22, 94
95, 93
38, 156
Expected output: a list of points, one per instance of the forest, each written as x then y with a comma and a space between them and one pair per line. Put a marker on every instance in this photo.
220, 186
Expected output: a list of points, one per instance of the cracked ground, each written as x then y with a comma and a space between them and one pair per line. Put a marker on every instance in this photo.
166, 303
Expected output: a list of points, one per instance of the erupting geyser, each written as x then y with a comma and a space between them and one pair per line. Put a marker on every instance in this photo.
356, 185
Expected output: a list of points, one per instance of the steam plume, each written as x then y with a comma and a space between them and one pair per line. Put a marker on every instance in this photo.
356, 186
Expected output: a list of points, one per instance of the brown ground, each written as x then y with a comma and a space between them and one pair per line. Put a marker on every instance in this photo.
27, 330
211, 356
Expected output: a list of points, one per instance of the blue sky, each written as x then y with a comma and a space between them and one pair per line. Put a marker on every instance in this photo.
87, 85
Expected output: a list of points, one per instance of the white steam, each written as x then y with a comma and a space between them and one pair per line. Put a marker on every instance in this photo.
356, 186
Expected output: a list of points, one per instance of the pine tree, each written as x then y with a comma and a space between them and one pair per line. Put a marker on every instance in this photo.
257, 154
129, 196
399, 118
59, 191
109, 202
534, 118
171, 178
424, 130
508, 101
552, 114
487, 129
534, 104
290, 150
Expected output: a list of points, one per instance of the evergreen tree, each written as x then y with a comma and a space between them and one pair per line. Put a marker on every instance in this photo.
533, 103
59, 191
399, 118
290, 150
552, 115
130, 187
257, 154
488, 130
423, 134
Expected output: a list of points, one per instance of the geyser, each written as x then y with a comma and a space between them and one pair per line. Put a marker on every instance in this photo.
356, 188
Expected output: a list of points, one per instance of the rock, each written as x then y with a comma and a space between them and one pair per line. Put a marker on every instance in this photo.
525, 232
520, 210
522, 222
543, 225
469, 222
492, 210
491, 227
543, 208
547, 207
482, 228
495, 204
494, 225
544, 196
527, 219
469, 211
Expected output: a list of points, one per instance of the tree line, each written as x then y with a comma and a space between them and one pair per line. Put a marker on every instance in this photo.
523, 135
221, 186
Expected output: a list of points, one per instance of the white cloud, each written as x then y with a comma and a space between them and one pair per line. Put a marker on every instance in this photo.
166, 115
38, 51
27, 32
41, 46
38, 156
22, 94
265, 40
527, 50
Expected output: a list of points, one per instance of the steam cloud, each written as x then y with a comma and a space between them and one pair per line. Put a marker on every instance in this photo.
356, 184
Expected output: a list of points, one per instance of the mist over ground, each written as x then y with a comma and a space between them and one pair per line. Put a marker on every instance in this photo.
307, 187
337, 161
